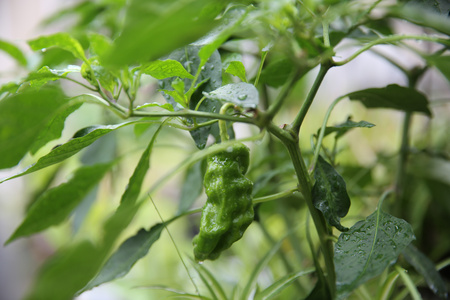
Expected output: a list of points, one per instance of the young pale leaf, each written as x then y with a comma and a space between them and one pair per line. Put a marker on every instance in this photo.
442, 63
329, 194
66, 272
274, 289
242, 94
236, 68
56, 204
209, 79
161, 69
192, 187
14, 52
121, 261
166, 106
22, 117
149, 23
343, 128
60, 40
393, 96
426, 268
82, 139
368, 248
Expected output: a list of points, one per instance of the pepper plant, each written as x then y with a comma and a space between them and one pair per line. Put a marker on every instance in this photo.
227, 73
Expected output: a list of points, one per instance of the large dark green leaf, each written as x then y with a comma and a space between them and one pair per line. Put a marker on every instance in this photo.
426, 268
155, 28
56, 204
210, 75
14, 52
121, 262
368, 248
81, 139
329, 194
22, 118
393, 96
277, 72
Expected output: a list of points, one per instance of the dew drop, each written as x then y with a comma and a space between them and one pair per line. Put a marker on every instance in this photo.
43, 49
242, 97
212, 67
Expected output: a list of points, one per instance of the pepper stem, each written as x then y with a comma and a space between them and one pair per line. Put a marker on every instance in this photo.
223, 124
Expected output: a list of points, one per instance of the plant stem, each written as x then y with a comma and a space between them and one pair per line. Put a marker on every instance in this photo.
322, 134
404, 150
318, 219
309, 99
192, 114
391, 39
278, 103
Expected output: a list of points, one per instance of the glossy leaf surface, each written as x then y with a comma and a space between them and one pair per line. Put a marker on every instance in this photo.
368, 248
329, 194
161, 69
393, 96
343, 128
242, 94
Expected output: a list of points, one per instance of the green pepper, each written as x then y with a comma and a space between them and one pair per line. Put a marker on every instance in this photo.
229, 210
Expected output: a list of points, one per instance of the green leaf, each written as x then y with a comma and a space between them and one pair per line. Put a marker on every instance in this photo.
343, 128
124, 258
56, 204
242, 94
23, 117
262, 263
66, 272
368, 248
54, 128
128, 203
422, 16
14, 52
99, 44
236, 68
228, 24
442, 63
276, 72
426, 268
192, 187
10, 87
393, 96
211, 77
166, 106
329, 194
60, 40
161, 69
45, 74
106, 78
149, 24
211, 283
82, 139
275, 288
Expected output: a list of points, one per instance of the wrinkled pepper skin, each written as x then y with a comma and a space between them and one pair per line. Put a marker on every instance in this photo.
229, 210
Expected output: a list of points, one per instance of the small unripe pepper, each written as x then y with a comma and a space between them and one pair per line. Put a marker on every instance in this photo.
229, 210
